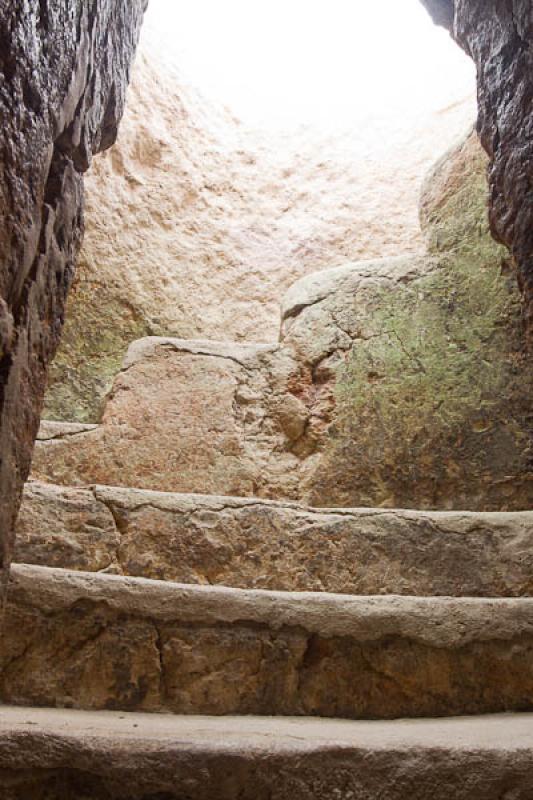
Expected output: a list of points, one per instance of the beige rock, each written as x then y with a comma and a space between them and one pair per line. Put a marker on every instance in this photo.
226, 418
196, 224
53, 429
399, 382
254, 544
142, 756
102, 641
63, 527
431, 407
184, 416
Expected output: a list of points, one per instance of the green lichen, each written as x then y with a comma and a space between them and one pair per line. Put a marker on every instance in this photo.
432, 409
98, 330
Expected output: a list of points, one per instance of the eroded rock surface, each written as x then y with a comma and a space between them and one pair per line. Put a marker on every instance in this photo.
433, 404
102, 641
400, 382
64, 527
196, 224
63, 69
254, 544
185, 416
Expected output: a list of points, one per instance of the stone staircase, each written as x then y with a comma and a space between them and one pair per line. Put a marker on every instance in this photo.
250, 543
239, 644
164, 645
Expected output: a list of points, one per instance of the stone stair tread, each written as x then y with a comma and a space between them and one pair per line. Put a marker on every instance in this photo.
104, 641
494, 732
249, 542
143, 348
53, 429
136, 755
439, 621
130, 494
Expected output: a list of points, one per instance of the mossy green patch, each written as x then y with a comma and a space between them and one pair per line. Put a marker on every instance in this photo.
98, 330
433, 407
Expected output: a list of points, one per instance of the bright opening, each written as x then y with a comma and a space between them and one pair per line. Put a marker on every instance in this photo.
288, 62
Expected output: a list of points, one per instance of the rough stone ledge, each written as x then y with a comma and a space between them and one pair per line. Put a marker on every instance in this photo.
86, 640
251, 543
50, 429
139, 756
316, 287
434, 621
132, 497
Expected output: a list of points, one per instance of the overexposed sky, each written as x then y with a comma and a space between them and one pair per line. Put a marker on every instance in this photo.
323, 62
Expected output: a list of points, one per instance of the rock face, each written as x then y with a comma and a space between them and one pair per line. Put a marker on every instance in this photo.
64, 69
399, 382
498, 37
159, 646
433, 404
398, 378
254, 544
65, 528
210, 427
196, 225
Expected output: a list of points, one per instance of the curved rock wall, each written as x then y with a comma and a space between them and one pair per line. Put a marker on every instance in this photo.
433, 404
64, 68
197, 224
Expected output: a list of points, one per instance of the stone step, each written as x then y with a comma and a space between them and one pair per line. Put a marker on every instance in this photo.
260, 544
88, 640
60, 754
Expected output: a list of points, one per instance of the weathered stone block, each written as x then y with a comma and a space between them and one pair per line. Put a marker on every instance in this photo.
257, 544
103, 641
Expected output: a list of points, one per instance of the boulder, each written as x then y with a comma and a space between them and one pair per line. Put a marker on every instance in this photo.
185, 416
432, 404
399, 382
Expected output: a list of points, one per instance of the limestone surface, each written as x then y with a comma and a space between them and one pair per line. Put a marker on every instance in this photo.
116, 756
432, 403
255, 544
197, 224
63, 527
64, 69
398, 382
97, 641
187, 416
